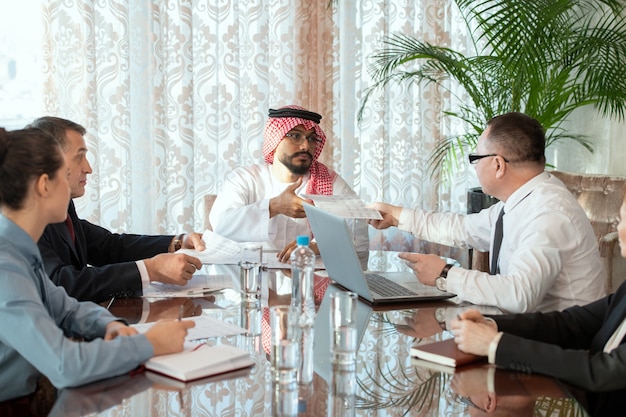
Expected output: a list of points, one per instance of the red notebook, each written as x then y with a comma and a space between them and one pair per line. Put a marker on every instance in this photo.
445, 353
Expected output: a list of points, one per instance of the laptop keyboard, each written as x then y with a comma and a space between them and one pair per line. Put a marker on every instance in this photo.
386, 287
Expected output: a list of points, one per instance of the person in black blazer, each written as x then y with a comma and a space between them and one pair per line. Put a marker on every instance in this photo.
582, 345
92, 263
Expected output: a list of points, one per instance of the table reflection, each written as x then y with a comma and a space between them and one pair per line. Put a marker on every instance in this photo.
387, 381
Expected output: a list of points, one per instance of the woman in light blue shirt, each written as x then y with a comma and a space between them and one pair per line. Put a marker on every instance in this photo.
40, 322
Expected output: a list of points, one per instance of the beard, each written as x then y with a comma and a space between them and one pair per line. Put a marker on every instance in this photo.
299, 168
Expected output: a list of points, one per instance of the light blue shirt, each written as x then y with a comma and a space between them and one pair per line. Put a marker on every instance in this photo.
37, 320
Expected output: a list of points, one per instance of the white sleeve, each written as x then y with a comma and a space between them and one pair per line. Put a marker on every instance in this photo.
235, 215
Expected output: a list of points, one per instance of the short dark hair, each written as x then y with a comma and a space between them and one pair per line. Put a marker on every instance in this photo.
519, 136
57, 127
24, 156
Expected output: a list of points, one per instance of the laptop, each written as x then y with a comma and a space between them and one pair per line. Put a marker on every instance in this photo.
336, 247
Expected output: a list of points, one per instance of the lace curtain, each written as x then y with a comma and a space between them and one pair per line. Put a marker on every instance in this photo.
174, 95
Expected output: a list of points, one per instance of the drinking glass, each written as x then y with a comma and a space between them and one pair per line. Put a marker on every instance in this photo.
285, 344
343, 327
251, 269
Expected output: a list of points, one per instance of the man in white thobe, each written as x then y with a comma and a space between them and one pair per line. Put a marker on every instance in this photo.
263, 203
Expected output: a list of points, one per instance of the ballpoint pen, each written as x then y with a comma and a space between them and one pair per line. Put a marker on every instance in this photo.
181, 309
110, 303
205, 291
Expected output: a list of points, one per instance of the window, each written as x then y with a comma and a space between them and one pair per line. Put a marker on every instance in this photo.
21, 93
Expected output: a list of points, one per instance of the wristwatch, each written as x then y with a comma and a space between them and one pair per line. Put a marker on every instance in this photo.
178, 241
442, 280
440, 316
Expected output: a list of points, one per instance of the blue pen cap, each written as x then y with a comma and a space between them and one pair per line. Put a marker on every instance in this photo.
302, 241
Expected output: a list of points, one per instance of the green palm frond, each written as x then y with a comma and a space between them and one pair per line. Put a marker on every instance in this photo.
545, 58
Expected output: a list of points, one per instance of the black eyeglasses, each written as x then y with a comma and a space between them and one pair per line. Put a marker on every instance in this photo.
474, 157
298, 138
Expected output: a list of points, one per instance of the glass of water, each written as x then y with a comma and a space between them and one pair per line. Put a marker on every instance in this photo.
285, 354
251, 269
343, 325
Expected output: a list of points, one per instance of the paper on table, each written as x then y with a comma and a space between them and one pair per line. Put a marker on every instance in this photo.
271, 262
199, 285
219, 250
346, 206
222, 251
205, 328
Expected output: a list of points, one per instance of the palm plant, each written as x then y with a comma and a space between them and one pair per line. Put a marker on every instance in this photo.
544, 58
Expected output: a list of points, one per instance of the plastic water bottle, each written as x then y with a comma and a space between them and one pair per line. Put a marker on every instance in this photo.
302, 269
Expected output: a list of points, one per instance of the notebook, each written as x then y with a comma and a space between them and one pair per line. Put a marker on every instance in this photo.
444, 352
336, 247
200, 362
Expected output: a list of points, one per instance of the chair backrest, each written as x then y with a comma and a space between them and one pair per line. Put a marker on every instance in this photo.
601, 197
209, 199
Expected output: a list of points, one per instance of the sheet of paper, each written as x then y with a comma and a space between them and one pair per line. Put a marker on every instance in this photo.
200, 285
219, 250
205, 328
346, 206
271, 262
222, 251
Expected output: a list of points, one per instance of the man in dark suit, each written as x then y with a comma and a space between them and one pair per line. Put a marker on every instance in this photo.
91, 262
583, 346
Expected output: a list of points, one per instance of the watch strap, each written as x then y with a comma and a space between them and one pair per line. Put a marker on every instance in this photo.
178, 242
444, 271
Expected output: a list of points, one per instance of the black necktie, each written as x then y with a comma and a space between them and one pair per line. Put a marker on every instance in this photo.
497, 242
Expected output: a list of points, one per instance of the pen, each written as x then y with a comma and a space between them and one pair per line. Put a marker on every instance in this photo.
205, 291
110, 303
181, 309
198, 347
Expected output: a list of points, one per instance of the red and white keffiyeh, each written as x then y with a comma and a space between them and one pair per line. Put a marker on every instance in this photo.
322, 178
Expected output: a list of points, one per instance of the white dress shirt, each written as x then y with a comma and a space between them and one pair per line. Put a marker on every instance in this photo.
241, 209
549, 258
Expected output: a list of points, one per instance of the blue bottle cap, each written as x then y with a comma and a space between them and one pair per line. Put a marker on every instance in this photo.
302, 241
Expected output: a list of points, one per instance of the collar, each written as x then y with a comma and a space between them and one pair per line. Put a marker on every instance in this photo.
13, 235
524, 191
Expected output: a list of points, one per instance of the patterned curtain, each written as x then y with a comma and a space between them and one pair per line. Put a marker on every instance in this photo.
174, 95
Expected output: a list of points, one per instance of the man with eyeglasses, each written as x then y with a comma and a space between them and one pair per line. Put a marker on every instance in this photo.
263, 203
548, 257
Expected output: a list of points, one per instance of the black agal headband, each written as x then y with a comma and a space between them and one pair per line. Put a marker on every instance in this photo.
301, 114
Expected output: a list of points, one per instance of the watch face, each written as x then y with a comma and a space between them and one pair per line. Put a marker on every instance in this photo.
440, 283
440, 315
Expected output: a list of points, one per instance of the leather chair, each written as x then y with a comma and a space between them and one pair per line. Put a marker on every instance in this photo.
601, 197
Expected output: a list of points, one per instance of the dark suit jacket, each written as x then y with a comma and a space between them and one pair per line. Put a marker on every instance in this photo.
569, 345
113, 271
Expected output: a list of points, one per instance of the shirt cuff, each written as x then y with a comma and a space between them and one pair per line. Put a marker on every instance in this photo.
145, 310
489, 319
405, 219
145, 278
493, 347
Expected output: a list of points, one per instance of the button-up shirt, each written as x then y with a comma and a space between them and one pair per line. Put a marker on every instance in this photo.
39, 320
549, 258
